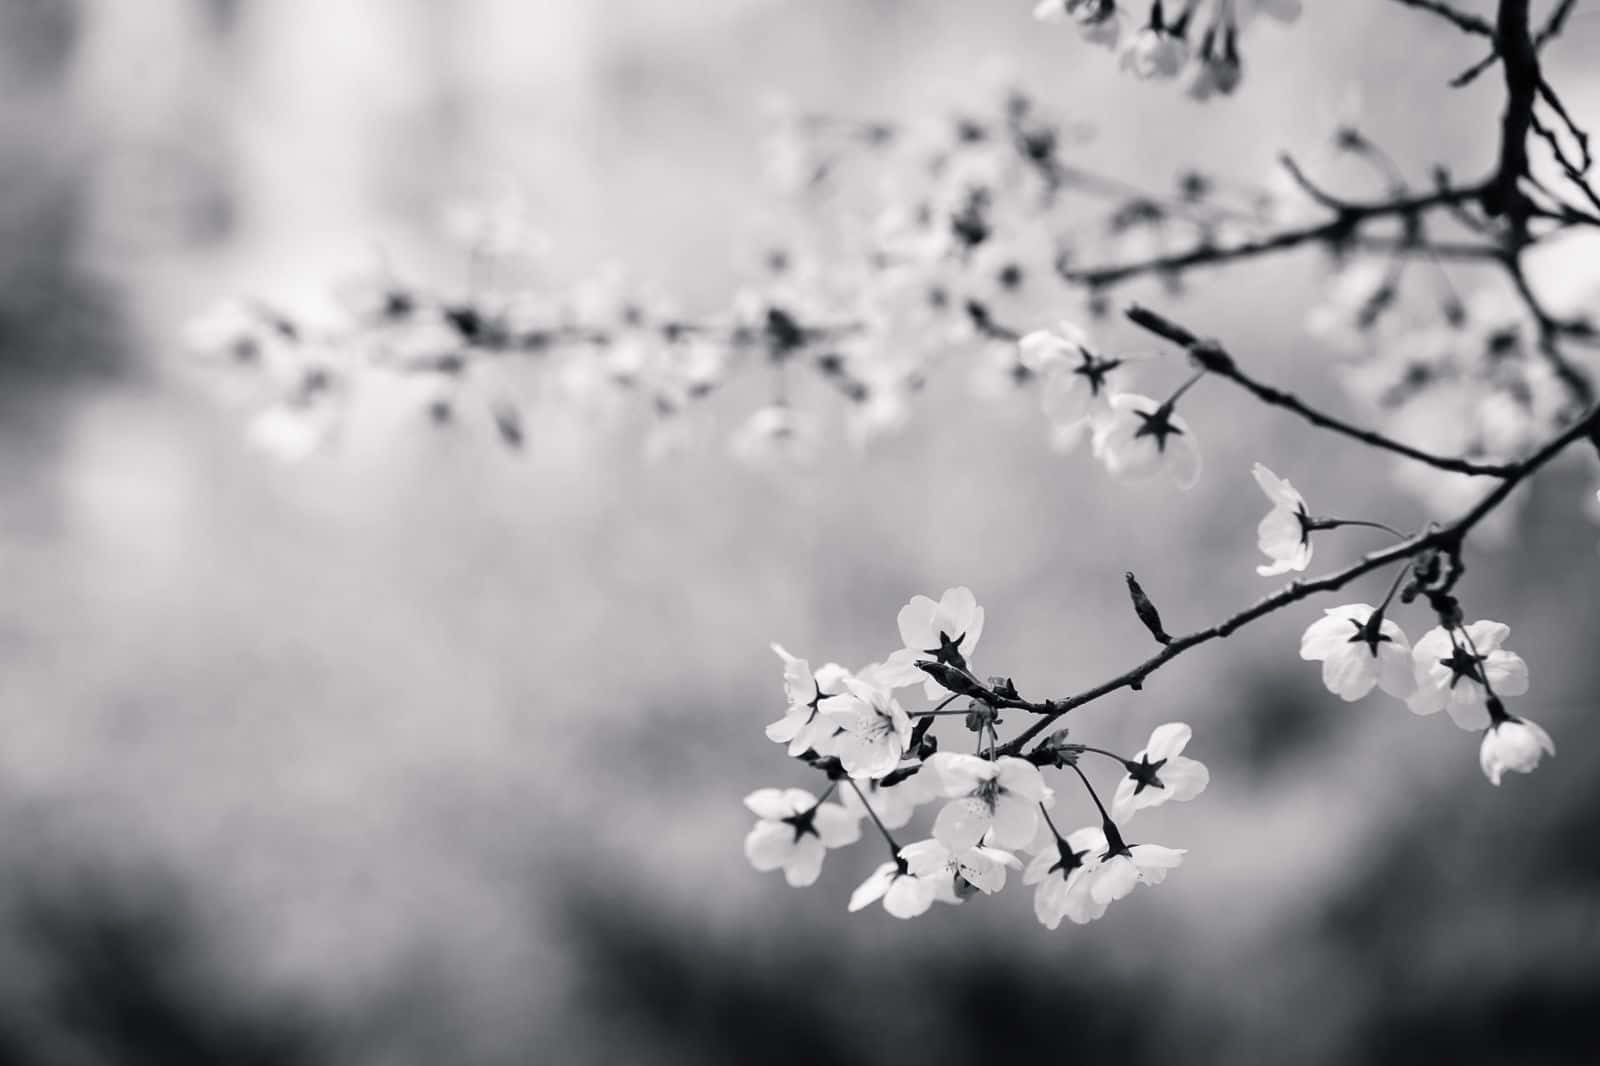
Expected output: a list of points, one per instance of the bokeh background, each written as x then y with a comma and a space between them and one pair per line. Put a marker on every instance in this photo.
430, 752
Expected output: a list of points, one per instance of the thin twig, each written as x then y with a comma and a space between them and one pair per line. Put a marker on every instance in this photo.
1219, 362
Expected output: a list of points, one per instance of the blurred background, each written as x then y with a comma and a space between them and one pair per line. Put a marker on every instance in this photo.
427, 751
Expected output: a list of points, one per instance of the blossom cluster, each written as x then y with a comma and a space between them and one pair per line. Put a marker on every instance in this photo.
1461, 668
1197, 42
952, 238
994, 812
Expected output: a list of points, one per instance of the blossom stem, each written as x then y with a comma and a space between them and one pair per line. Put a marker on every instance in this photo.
1481, 662
1336, 523
894, 847
1102, 751
1394, 587
1104, 816
1172, 401
1221, 362
1051, 824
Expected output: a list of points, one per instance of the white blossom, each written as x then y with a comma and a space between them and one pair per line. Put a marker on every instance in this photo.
1060, 870
1160, 772
1450, 676
956, 872
1284, 534
1076, 382
874, 728
1155, 53
794, 831
904, 895
999, 797
1356, 655
804, 726
927, 628
1513, 744
1142, 437
1119, 870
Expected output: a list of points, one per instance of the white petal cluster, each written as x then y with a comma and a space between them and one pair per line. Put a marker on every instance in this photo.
1160, 772
1077, 383
1358, 654
1141, 438
1451, 672
1513, 744
999, 799
989, 809
1464, 671
1284, 535
795, 831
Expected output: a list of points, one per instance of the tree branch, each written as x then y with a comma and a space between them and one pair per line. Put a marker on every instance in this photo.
1461, 20
1214, 358
1448, 539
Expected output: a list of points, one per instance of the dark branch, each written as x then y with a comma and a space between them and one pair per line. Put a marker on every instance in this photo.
1461, 20
1448, 539
1214, 358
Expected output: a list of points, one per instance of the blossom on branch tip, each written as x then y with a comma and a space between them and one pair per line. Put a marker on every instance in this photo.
1359, 651
1451, 672
1284, 535
1160, 773
1513, 744
874, 729
1000, 798
904, 895
794, 831
1141, 437
1060, 870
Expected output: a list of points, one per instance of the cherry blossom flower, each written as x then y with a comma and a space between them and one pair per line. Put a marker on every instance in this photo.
874, 728
904, 895
1060, 870
1359, 651
1122, 867
893, 804
947, 631
794, 831
1160, 773
1077, 382
803, 726
1285, 533
1001, 798
1155, 53
1141, 437
957, 872
1450, 672
1513, 744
